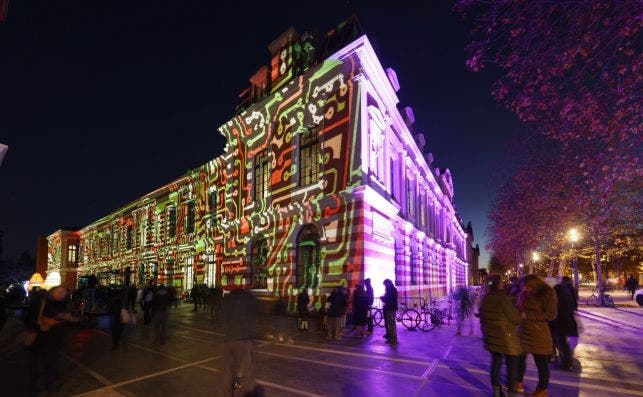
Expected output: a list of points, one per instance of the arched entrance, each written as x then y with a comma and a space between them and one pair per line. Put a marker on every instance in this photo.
259, 263
308, 258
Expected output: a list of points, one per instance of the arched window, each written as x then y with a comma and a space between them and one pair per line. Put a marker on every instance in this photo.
259, 263
308, 261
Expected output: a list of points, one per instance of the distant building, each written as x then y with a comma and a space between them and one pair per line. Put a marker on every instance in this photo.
322, 182
473, 255
63, 255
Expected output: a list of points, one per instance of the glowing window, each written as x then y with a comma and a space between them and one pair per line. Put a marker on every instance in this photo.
309, 153
262, 175
259, 263
308, 259
190, 217
72, 253
171, 222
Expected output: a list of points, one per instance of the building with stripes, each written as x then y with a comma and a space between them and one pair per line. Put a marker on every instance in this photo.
323, 182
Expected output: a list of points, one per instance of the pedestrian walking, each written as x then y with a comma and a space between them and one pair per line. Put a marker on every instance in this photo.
371, 299
632, 284
195, 296
538, 305
360, 309
346, 293
464, 310
148, 296
239, 312
128, 315
390, 308
499, 320
114, 308
564, 325
44, 354
303, 300
160, 306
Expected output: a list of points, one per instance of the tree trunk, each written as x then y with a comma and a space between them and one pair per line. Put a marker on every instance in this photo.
551, 268
597, 267
561, 267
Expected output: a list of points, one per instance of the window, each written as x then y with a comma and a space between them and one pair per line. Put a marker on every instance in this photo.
259, 263
395, 174
128, 237
72, 253
171, 222
211, 271
410, 197
414, 270
115, 242
188, 273
308, 257
190, 217
422, 210
309, 152
212, 201
262, 175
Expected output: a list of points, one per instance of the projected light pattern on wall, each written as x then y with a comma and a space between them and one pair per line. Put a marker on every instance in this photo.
322, 183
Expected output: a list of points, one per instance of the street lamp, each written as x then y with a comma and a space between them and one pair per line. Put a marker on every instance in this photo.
574, 236
534, 258
520, 270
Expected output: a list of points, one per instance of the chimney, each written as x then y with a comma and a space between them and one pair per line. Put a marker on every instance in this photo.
409, 119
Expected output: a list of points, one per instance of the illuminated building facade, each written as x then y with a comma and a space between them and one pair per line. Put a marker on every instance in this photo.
322, 182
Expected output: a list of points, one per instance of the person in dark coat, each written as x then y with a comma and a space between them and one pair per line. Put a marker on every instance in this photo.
114, 309
499, 320
239, 314
538, 305
160, 306
390, 308
50, 318
631, 284
371, 298
360, 309
564, 325
336, 307
303, 300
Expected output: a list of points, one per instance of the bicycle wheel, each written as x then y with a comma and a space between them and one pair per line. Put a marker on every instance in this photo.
378, 317
410, 318
592, 300
426, 324
608, 301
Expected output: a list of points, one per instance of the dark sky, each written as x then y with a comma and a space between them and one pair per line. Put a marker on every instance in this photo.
103, 101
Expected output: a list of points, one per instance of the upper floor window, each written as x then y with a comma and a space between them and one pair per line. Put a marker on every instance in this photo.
129, 234
72, 253
115, 241
212, 201
190, 217
171, 222
262, 175
309, 153
410, 197
422, 210
394, 179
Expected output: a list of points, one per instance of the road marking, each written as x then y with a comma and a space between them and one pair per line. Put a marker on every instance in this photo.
565, 383
205, 331
426, 375
134, 380
103, 380
172, 357
286, 388
378, 357
446, 352
381, 371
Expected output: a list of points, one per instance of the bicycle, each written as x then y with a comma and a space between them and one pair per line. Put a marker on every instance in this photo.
432, 316
410, 318
601, 299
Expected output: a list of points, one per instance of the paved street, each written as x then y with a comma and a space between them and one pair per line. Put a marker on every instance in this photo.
424, 364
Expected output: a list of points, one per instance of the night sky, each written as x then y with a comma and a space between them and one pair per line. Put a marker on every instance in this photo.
102, 102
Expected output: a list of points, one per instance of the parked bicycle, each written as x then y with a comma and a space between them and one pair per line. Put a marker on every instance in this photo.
432, 316
409, 317
600, 299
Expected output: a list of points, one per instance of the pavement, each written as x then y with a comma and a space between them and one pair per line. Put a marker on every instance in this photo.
438, 363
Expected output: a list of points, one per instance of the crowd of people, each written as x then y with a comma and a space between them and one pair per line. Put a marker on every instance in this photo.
527, 316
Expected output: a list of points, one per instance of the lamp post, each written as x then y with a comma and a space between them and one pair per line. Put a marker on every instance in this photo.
534, 258
520, 274
574, 237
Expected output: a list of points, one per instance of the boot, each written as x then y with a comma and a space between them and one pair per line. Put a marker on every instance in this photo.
520, 387
539, 393
497, 391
